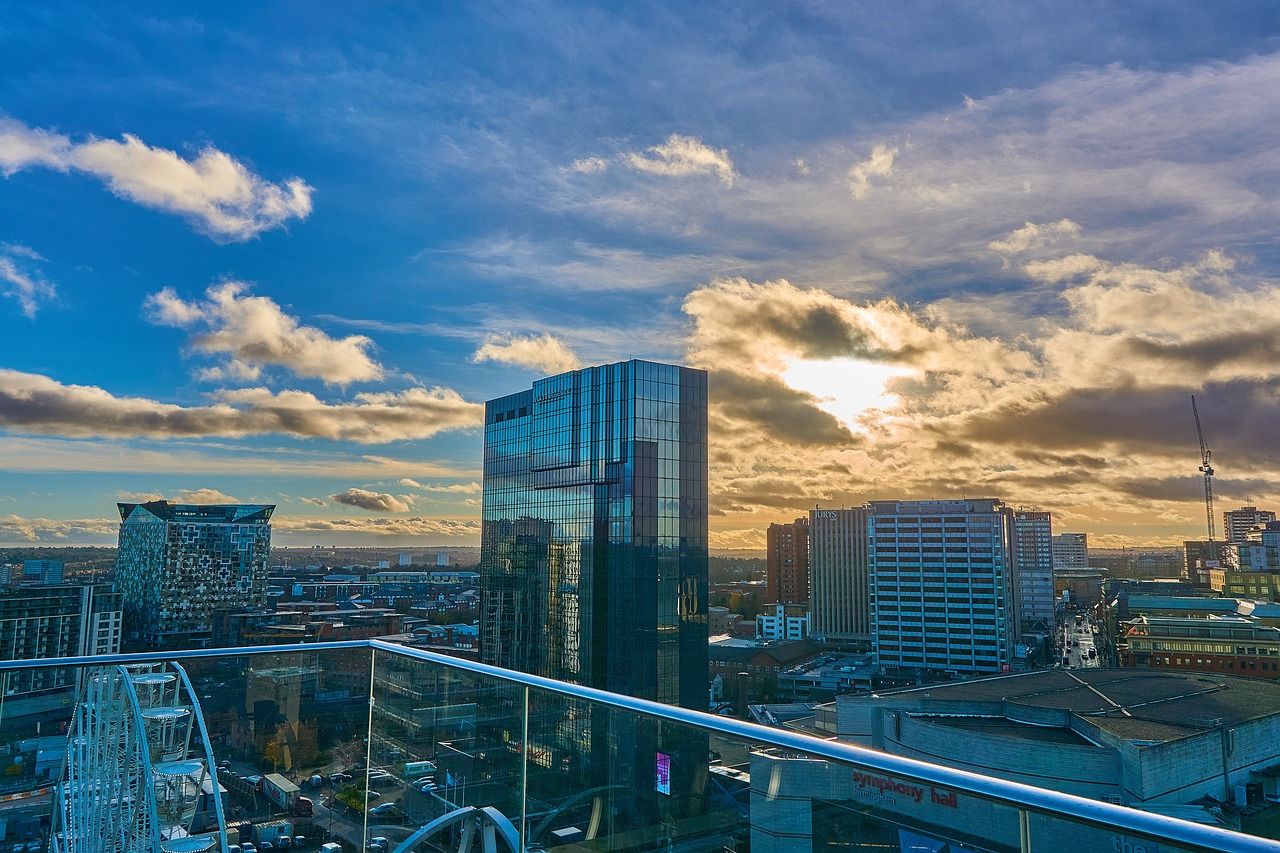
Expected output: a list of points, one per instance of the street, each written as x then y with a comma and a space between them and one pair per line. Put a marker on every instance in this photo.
1078, 648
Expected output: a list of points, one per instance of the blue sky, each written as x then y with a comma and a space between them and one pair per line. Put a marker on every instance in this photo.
280, 252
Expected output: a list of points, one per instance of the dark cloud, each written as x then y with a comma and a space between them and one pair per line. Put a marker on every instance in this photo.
37, 404
777, 409
372, 501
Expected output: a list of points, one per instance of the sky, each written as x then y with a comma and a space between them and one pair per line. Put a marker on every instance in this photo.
283, 252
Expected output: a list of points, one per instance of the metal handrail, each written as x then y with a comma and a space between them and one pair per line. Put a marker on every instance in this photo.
1024, 798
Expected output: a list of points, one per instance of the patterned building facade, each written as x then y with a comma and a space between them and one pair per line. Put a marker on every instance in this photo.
178, 563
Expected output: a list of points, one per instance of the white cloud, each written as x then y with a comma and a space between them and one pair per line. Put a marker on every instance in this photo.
684, 155
215, 192
254, 331
34, 404
878, 165
15, 529
182, 496
27, 287
1032, 236
313, 501
588, 165
471, 488
203, 496
413, 526
543, 353
372, 501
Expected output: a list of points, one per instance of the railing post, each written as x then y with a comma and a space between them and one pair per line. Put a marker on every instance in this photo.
524, 775
368, 750
1024, 831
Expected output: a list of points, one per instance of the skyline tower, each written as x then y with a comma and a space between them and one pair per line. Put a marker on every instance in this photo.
942, 585
593, 563
1033, 572
177, 563
840, 577
1237, 524
787, 563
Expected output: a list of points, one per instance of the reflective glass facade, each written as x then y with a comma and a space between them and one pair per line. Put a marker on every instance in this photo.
178, 563
594, 543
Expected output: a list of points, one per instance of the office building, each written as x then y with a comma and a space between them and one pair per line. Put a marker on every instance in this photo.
42, 571
1259, 551
1070, 551
53, 621
942, 585
787, 563
594, 534
840, 578
1200, 556
1033, 573
178, 563
1237, 524
783, 622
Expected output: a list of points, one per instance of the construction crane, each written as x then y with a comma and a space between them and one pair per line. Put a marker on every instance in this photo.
1206, 468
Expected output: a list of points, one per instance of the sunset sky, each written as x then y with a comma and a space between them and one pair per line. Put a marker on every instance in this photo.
282, 252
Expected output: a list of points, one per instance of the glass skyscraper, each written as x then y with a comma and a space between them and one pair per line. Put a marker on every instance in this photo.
594, 543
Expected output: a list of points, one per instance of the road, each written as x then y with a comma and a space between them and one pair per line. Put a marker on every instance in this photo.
1078, 642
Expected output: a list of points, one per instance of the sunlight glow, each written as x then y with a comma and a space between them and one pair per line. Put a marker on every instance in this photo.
846, 387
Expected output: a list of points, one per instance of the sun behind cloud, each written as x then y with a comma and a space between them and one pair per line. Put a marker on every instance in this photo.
847, 388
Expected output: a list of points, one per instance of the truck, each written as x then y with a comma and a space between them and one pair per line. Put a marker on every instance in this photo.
286, 795
272, 831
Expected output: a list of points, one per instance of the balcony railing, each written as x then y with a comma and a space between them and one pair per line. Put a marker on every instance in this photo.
440, 753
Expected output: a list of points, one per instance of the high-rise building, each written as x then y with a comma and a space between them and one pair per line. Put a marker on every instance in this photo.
42, 571
53, 621
1071, 551
177, 563
1033, 572
942, 585
1260, 550
594, 535
1238, 523
787, 563
840, 577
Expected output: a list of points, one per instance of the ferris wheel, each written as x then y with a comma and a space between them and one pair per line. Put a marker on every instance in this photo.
139, 775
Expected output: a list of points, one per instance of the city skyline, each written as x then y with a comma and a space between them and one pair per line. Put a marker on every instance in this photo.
281, 255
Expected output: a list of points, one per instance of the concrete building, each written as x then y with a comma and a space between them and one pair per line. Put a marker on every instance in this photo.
1138, 738
942, 585
1070, 551
840, 577
1233, 645
1237, 524
42, 571
177, 563
1259, 551
787, 562
52, 621
1033, 574
1200, 556
783, 622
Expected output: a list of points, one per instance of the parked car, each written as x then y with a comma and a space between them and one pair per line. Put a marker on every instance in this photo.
379, 776
384, 810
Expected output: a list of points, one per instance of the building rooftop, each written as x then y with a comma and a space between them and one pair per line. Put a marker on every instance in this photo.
1131, 704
